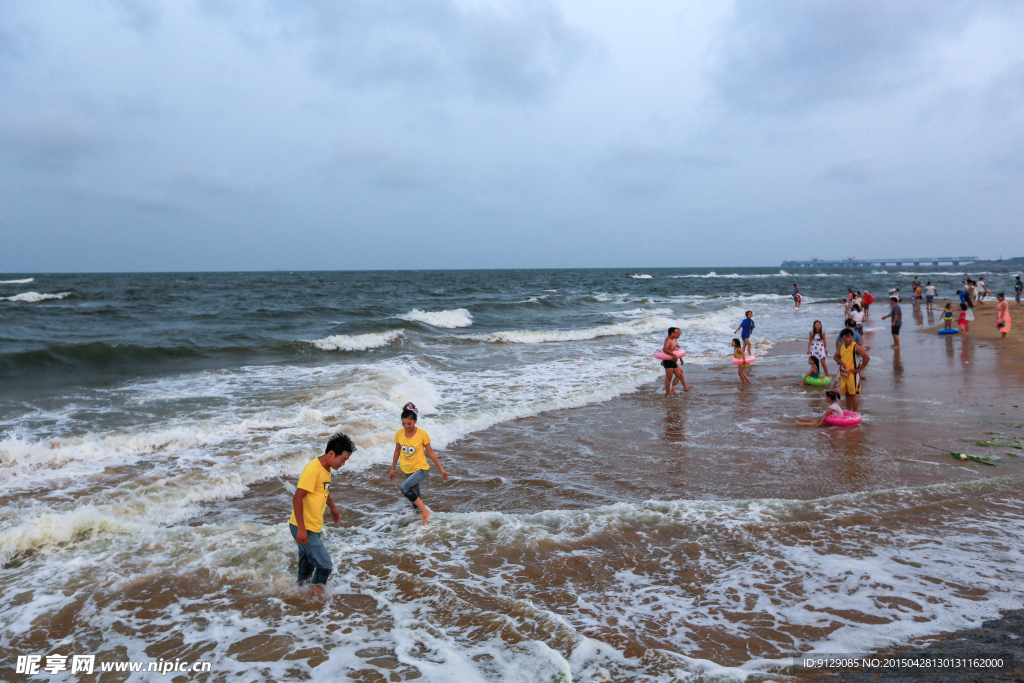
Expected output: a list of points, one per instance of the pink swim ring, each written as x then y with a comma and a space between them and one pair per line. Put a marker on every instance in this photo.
746, 359
849, 418
677, 354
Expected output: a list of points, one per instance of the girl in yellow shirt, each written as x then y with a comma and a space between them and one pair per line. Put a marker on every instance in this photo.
412, 445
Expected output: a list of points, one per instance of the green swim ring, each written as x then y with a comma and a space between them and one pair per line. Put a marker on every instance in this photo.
817, 381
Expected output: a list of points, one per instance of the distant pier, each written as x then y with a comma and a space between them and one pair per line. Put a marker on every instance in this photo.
881, 262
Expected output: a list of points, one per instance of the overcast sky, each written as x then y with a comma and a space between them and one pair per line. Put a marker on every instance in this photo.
353, 134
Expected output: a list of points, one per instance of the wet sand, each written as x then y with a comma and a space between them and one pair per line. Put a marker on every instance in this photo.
704, 527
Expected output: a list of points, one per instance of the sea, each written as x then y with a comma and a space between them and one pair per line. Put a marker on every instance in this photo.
153, 427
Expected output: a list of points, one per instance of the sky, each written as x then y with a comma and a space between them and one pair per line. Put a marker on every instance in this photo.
184, 135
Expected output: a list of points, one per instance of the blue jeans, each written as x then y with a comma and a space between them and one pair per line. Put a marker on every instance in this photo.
411, 486
314, 562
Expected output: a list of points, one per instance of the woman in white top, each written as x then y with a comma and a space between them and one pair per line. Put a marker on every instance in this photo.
858, 317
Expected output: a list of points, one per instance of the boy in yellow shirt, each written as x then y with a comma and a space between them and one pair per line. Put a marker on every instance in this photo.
312, 497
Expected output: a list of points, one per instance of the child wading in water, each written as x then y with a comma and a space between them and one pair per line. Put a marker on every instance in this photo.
737, 352
814, 372
833, 409
747, 325
963, 322
673, 368
947, 316
413, 445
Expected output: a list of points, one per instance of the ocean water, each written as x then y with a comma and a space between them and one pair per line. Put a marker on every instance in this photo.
152, 428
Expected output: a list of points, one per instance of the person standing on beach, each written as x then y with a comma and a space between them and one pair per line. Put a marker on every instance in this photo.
917, 294
947, 316
1017, 287
929, 295
796, 295
817, 346
747, 325
857, 316
1002, 315
673, 368
851, 325
413, 445
850, 369
312, 497
868, 300
896, 313
742, 365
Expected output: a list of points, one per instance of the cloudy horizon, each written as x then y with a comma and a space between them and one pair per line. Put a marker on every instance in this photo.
264, 135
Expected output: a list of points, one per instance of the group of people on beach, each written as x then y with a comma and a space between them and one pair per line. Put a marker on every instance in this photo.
741, 352
313, 497
851, 353
412, 444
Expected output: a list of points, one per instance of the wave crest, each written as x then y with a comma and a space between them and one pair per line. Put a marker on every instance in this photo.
642, 326
459, 317
34, 297
357, 342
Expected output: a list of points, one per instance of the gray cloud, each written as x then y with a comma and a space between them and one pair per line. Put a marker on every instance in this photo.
383, 169
1005, 93
1010, 161
199, 181
788, 55
140, 199
857, 170
9, 46
138, 15
639, 169
53, 141
510, 50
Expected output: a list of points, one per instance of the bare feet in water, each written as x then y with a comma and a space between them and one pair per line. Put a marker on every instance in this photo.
426, 515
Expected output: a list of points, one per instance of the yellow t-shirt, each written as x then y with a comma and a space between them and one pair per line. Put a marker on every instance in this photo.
412, 456
316, 481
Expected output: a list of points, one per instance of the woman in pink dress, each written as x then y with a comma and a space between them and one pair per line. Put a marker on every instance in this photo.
1002, 315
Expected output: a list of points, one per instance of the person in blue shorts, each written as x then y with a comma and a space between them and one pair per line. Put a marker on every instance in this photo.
747, 325
312, 498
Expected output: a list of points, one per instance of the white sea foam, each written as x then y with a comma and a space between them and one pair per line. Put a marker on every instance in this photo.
17, 282
643, 312
357, 342
34, 297
459, 317
960, 274
815, 576
742, 276
642, 326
